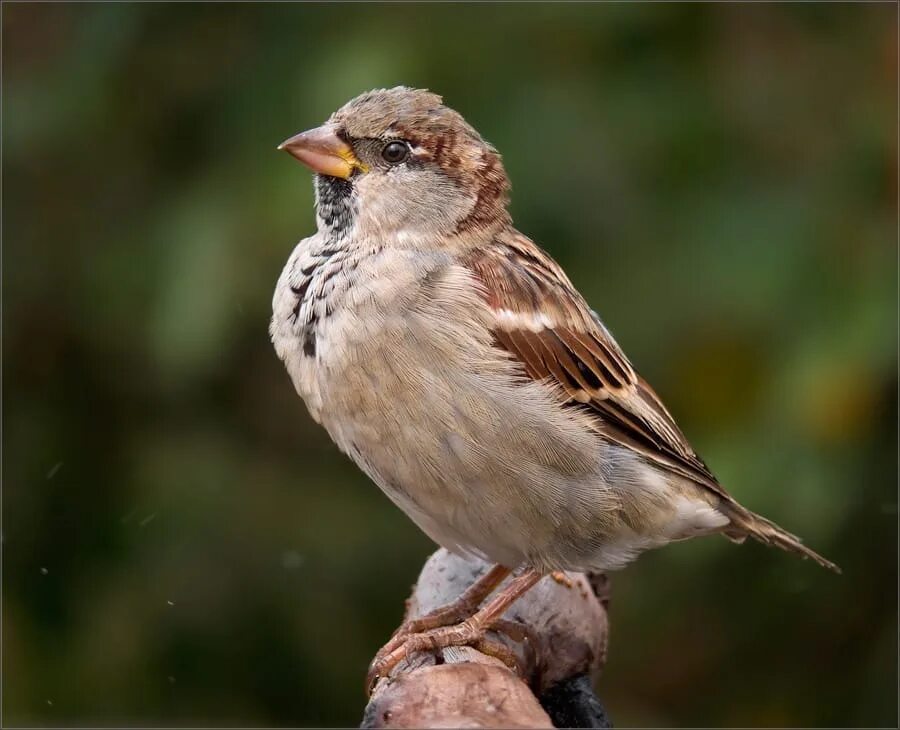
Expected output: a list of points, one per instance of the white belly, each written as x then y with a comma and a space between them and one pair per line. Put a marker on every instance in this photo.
406, 380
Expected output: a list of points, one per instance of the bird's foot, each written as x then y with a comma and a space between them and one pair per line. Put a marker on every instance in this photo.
453, 613
470, 632
430, 633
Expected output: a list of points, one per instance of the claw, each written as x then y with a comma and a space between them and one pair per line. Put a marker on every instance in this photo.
468, 633
404, 644
501, 652
561, 578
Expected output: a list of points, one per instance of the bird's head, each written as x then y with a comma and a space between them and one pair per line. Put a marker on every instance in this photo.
398, 164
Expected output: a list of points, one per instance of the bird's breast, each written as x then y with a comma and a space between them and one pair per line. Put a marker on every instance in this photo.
332, 309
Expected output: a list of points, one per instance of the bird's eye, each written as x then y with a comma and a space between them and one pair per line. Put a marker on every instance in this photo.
395, 152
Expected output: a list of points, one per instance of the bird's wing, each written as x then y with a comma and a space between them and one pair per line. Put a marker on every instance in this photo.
545, 324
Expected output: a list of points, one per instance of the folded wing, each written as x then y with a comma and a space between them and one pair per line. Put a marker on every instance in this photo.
544, 323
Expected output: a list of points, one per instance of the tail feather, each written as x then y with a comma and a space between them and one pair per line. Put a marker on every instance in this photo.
746, 523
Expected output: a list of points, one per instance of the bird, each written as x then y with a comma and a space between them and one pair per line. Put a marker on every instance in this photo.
452, 359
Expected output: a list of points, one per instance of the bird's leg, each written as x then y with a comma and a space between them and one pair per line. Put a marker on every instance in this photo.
460, 609
468, 633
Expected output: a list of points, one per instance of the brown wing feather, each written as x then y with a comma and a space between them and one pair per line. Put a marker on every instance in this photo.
545, 323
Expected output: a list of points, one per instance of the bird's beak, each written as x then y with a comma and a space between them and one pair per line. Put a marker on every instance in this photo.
323, 151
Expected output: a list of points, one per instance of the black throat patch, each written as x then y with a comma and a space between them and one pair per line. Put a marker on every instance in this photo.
335, 204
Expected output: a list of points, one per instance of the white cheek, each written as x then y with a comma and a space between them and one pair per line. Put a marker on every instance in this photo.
407, 205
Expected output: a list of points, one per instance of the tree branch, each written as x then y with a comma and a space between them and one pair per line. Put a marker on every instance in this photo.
567, 626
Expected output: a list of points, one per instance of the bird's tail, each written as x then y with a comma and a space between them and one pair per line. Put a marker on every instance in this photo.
744, 523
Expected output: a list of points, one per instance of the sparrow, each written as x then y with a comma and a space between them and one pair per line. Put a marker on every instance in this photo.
453, 360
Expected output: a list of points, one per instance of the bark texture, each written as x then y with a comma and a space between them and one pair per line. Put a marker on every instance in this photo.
567, 627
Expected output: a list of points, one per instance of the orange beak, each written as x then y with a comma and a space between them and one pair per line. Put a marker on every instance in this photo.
323, 151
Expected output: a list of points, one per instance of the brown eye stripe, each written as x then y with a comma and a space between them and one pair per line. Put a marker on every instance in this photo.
492, 186
438, 148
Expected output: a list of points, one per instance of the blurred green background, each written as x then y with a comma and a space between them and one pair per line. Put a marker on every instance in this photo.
181, 543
